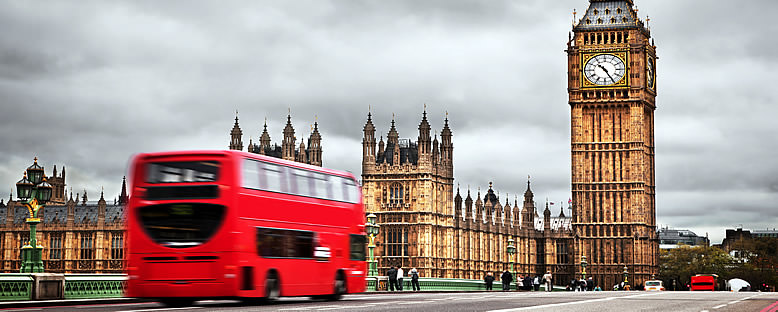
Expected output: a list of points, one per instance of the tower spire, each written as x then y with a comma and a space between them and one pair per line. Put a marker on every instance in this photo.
236, 136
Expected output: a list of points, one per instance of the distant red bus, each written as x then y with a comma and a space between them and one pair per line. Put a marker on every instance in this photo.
230, 224
703, 282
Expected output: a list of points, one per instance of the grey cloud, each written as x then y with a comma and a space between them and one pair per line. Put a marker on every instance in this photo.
97, 82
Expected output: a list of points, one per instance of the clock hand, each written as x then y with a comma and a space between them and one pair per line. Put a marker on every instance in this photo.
606, 71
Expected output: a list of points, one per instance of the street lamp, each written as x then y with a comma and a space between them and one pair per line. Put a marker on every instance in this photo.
511, 250
372, 232
583, 266
34, 191
626, 273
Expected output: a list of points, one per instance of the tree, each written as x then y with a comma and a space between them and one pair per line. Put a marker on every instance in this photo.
760, 265
677, 266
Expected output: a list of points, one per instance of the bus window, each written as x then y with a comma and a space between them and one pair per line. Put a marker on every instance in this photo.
279, 243
320, 185
337, 189
273, 178
303, 183
182, 172
251, 174
352, 190
357, 248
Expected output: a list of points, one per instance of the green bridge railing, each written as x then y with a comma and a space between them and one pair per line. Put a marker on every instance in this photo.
85, 286
18, 286
15, 286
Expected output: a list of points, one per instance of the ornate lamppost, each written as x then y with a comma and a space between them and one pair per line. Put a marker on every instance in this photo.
372, 232
34, 191
583, 267
511, 251
626, 273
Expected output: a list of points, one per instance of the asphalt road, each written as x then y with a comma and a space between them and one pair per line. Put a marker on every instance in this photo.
481, 301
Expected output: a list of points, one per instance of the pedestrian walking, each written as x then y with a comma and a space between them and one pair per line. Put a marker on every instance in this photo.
547, 279
392, 274
582, 284
488, 280
536, 282
400, 278
415, 279
528, 283
506, 278
590, 284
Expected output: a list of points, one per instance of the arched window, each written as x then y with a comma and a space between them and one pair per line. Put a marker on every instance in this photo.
396, 194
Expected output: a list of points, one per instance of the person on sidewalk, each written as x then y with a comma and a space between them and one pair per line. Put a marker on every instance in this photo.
392, 274
536, 283
506, 278
547, 279
415, 280
528, 283
400, 278
590, 284
488, 280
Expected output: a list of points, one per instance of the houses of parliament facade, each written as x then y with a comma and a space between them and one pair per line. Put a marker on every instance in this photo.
77, 235
427, 224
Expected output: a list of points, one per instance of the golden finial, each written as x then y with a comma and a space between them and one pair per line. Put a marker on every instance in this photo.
311, 128
392, 116
575, 13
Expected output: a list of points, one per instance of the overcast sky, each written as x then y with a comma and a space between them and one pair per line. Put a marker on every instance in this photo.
87, 84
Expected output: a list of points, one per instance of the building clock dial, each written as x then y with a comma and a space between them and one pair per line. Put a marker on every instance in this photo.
650, 73
605, 69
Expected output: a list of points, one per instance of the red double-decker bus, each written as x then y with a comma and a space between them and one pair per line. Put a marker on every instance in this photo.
230, 224
703, 282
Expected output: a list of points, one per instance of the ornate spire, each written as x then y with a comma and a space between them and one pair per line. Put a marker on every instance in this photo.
393, 137
288, 143
236, 135
123, 198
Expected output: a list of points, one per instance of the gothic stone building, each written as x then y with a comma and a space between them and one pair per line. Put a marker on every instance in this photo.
77, 237
612, 92
409, 186
309, 155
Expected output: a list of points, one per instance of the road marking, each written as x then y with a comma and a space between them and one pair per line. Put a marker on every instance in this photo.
412, 302
570, 303
331, 308
720, 306
164, 309
770, 308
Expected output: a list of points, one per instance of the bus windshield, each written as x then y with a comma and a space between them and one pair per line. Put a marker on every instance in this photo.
181, 225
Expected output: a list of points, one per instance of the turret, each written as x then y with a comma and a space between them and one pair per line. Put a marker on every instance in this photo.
447, 149
424, 138
314, 144
381, 147
288, 144
236, 138
264, 140
123, 198
458, 205
393, 137
368, 143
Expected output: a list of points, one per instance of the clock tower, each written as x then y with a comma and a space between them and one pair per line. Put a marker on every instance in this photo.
612, 91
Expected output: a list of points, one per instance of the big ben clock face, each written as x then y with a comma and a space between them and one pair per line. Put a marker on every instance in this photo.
651, 73
605, 70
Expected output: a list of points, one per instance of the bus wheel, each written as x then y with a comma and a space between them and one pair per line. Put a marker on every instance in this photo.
272, 289
340, 287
